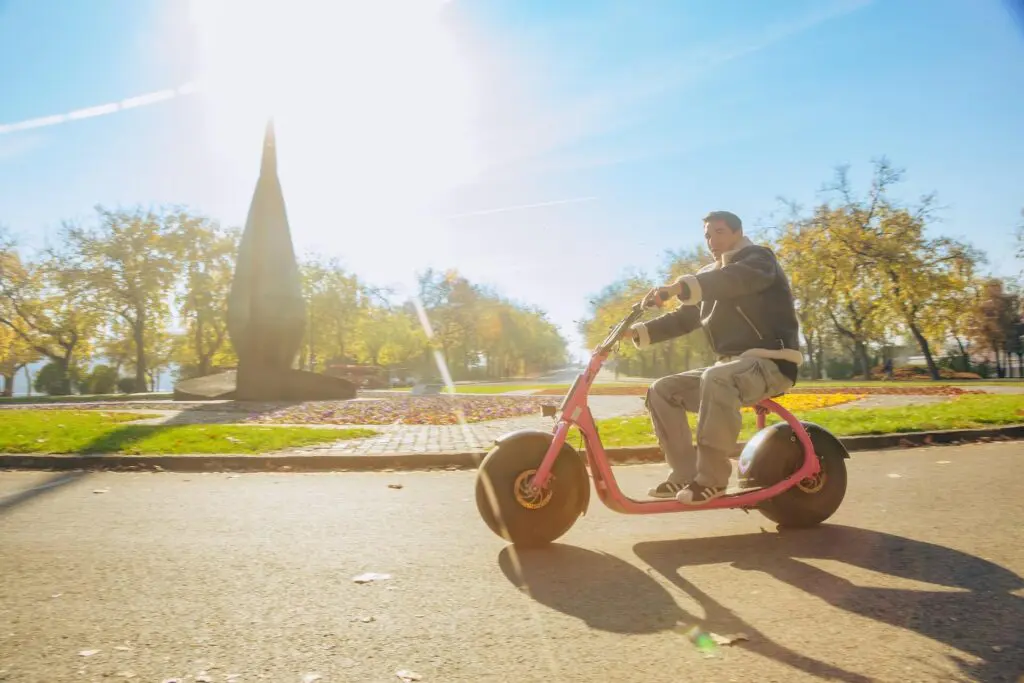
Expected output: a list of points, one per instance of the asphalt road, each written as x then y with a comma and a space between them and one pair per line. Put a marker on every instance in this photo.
196, 577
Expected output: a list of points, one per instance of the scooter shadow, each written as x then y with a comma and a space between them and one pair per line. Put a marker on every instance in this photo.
610, 594
983, 613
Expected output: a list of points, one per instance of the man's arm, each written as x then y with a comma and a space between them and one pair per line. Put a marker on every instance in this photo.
683, 320
751, 274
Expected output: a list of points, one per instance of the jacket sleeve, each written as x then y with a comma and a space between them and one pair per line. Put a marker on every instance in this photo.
683, 320
753, 273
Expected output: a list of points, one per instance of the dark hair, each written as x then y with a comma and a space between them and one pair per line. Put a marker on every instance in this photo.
727, 217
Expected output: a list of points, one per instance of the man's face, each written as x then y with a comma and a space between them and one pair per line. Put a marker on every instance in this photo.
720, 237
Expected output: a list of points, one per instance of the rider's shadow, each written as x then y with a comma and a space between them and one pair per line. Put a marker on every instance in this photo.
981, 613
612, 595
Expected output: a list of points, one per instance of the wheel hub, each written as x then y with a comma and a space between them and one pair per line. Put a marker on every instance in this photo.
813, 484
528, 495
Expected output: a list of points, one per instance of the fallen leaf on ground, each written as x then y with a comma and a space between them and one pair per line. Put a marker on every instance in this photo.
730, 639
88, 653
893, 475
395, 486
370, 577
127, 674
101, 491
942, 462
56, 595
123, 648
203, 678
311, 678
997, 648
408, 675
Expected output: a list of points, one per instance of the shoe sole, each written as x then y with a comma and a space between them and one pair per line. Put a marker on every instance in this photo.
701, 502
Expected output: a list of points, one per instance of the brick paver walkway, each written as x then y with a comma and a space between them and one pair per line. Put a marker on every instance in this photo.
471, 437
393, 439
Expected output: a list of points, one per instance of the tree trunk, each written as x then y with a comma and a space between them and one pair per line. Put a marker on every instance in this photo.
65, 373
933, 369
9, 384
965, 358
861, 350
815, 370
139, 334
204, 358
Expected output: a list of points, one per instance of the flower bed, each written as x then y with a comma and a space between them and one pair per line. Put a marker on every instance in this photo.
801, 402
414, 410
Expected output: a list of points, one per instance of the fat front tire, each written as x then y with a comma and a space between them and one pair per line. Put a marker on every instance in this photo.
517, 514
811, 502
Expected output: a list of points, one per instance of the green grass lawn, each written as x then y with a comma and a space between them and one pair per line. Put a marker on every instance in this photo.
803, 384
86, 398
964, 412
962, 383
66, 431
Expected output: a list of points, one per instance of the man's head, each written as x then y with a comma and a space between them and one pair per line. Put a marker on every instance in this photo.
722, 231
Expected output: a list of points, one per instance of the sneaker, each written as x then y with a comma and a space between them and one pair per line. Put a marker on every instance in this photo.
698, 494
666, 489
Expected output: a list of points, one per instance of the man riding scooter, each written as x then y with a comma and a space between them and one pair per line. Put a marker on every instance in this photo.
745, 306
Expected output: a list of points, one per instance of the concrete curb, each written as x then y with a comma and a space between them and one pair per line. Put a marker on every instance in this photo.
431, 461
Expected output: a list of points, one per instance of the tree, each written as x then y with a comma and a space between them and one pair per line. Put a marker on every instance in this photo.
208, 258
799, 248
335, 300
46, 306
52, 379
888, 242
995, 324
129, 261
15, 353
853, 296
449, 301
956, 314
389, 337
102, 379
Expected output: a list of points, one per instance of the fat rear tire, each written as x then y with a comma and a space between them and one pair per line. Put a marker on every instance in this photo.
797, 508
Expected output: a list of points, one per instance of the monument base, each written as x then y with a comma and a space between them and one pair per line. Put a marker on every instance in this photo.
266, 385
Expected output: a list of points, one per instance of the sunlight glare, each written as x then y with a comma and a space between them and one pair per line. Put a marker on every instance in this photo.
373, 99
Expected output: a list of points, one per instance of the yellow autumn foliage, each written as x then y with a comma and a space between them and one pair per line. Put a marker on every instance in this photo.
800, 402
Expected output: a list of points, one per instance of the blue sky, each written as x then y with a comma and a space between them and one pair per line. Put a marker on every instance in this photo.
412, 134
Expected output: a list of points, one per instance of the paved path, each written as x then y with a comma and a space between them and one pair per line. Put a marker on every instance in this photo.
916, 578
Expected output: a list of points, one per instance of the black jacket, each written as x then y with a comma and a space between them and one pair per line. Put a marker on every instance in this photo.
745, 306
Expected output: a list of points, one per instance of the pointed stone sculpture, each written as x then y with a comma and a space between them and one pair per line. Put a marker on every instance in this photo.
266, 311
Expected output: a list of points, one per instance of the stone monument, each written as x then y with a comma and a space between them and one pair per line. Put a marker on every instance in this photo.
266, 311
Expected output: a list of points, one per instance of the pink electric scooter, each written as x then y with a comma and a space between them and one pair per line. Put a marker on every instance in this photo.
532, 486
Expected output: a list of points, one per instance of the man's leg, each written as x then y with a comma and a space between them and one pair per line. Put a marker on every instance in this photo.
724, 390
668, 399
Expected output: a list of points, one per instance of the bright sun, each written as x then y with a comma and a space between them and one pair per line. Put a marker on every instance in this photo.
371, 100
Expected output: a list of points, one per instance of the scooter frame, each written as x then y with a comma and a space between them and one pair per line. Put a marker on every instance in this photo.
575, 410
